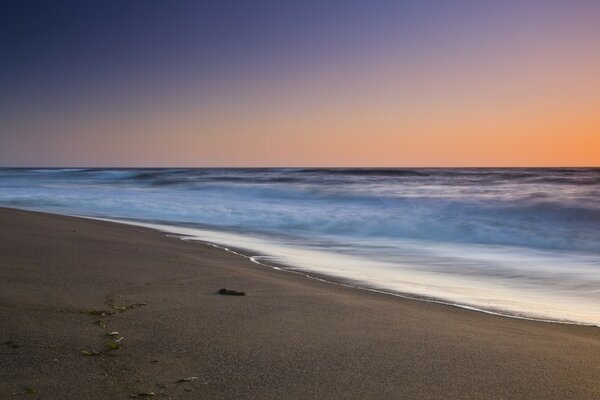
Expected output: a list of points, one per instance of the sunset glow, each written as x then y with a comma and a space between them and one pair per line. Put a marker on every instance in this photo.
340, 84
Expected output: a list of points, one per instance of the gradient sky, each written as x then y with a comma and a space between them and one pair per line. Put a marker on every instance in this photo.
325, 83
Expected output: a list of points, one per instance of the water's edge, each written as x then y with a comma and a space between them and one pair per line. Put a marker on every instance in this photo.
258, 257
330, 279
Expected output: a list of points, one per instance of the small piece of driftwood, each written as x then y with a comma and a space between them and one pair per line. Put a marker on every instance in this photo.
231, 292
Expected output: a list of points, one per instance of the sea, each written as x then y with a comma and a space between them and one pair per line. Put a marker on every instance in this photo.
518, 242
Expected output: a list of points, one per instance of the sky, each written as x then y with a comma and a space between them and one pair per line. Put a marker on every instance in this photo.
285, 83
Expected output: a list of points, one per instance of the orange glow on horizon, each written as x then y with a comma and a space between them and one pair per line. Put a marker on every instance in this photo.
531, 104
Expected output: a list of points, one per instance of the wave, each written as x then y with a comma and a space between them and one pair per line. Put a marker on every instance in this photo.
365, 171
519, 229
448, 205
421, 176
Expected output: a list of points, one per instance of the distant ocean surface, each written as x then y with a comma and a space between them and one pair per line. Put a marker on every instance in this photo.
518, 242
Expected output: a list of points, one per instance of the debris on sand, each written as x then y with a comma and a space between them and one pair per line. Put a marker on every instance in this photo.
29, 390
99, 313
231, 292
112, 345
125, 307
90, 352
190, 379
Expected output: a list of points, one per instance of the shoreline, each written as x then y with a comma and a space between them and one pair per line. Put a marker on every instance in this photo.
163, 227
333, 279
290, 337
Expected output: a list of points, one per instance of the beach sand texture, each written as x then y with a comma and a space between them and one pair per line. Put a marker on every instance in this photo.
290, 337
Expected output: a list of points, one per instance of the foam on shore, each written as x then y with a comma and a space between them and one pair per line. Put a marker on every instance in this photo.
399, 280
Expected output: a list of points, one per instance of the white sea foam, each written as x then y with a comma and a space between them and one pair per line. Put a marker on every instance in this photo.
491, 296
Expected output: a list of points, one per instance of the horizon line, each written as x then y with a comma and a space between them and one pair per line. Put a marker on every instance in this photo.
302, 167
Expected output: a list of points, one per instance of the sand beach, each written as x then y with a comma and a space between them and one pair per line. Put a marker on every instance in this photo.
92, 309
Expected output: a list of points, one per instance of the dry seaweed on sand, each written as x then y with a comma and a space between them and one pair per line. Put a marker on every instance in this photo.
126, 307
112, 345
229, 292
90, 352
100, 313
29, 390
190, 379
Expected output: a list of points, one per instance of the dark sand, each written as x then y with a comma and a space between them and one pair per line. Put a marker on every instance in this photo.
290, 337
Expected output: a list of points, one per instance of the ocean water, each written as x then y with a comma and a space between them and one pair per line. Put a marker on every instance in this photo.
517, 242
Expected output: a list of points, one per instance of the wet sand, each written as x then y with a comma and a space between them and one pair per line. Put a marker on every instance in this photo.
289, 337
